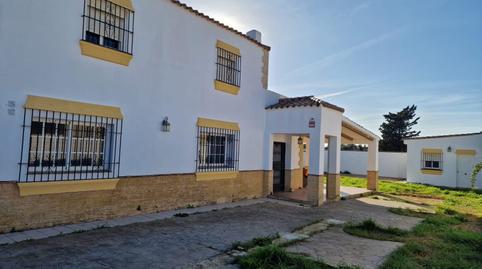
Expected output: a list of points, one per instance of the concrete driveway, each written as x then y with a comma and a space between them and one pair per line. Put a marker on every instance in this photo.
182, 242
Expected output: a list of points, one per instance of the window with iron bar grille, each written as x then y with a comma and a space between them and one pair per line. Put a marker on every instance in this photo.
228, 67
109, 25
218, 150
60, 146
432, 161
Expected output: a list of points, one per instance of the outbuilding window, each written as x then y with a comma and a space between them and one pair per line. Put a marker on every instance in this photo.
432, 159
109, 24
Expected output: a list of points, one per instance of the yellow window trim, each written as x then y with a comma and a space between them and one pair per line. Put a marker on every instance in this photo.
59, 105
470, 152
431, 150
226, 46
103, 53
205, 176
123, 3
431, 172
203, 122
38, 188
225, 87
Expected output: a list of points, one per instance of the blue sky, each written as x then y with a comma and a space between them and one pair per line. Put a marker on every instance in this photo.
372, 56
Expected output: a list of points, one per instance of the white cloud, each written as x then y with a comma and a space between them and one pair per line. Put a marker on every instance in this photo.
341, 55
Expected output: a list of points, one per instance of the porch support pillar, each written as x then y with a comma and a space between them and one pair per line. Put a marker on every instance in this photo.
268, 165
372, 173
333, 176
315, 186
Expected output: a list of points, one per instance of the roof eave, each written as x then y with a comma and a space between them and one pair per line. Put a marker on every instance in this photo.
360, 128
218, 23
441, 136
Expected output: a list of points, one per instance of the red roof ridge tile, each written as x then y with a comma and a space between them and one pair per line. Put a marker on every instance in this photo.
301, 101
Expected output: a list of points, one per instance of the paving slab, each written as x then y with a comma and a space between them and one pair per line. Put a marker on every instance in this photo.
5, 240
49, 231
35, 234
336, 247
18, 236
360, 209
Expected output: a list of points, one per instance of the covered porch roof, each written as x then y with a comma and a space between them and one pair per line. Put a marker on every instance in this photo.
351, 132
354, 133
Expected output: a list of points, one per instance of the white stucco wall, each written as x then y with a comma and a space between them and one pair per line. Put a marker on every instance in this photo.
171, 74
391, 164
449, 175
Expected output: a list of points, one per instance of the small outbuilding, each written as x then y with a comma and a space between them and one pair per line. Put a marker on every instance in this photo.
446, 160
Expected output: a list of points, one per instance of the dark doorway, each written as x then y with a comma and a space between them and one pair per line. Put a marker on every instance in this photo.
279, 150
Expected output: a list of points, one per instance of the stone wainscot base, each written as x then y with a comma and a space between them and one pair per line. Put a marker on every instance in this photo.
131, 196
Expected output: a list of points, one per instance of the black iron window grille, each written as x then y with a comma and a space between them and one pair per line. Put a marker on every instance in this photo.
109, 25
59, 146
228, 67
432, 161
218, 149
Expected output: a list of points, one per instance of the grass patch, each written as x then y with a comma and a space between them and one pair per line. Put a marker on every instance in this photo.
461, 201
271, 257
369, 229
446, 239
438, 242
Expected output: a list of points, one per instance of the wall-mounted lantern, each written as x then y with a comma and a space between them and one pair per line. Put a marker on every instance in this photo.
165, 125
300, 140
449, 149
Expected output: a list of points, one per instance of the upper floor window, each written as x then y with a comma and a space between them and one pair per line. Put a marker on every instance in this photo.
108, 24
431, 160
228, 66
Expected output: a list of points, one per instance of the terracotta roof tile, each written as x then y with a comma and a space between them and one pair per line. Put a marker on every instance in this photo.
202, 15
303, 101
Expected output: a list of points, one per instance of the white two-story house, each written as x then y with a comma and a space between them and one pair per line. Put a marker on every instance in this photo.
118, 107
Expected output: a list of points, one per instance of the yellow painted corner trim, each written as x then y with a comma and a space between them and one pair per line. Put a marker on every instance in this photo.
431, 172
203, 122
103, 53
60, 105
38, 188
225, 87
203, 176
124, 3
431, 150
230, 48
470, 152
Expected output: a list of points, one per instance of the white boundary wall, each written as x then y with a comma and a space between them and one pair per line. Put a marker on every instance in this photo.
391, 164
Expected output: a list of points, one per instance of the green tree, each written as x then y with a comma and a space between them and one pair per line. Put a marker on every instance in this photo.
398, 126
475, 172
